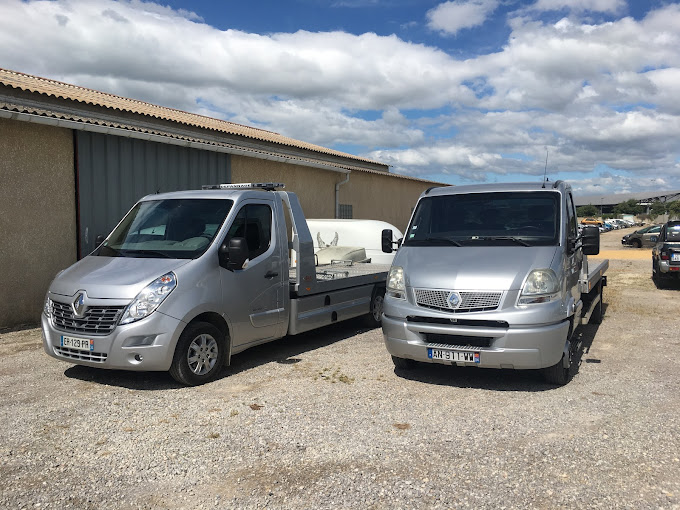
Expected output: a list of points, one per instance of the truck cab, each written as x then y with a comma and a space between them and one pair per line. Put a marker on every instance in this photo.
492, 276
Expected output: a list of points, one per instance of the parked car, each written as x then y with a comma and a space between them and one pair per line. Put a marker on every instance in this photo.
591, 221
619, 223
666, 254
643, 237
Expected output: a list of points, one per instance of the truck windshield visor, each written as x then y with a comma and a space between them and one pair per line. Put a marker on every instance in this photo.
500, 218
174, 228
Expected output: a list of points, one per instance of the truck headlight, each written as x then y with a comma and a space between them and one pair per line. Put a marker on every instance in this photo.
149, 298
540, 286
47, 307
396, 287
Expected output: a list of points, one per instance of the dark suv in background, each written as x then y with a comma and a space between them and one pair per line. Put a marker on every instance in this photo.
666, 254
646, 236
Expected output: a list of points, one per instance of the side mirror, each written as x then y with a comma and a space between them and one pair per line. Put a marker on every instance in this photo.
386, 240
590, 241
233, 255
99, 240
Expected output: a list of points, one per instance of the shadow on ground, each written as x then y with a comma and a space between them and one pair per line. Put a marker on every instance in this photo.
283, 351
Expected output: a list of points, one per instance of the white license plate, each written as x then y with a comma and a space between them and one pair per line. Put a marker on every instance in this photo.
455, 356
79, 344
675, 257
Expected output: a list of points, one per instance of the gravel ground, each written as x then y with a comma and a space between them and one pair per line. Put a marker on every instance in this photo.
323, 420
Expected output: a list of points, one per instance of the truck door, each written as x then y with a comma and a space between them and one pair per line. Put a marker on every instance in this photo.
574, 257
253, 295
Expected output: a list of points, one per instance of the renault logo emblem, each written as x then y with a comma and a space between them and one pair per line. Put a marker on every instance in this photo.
454, 300
78, 305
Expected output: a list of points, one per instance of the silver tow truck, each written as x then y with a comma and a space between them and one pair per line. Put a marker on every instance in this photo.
187, 279
493, 276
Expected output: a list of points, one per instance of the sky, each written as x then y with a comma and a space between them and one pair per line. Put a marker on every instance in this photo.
459, 92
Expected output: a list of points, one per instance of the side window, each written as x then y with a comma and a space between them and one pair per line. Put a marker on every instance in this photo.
571, 217
672, 233
254, 223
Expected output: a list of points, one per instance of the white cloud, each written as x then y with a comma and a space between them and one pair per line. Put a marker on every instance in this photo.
610, 6
451, 17
597, 94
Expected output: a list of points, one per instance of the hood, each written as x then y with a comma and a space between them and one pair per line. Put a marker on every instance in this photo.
112, 277
472, 268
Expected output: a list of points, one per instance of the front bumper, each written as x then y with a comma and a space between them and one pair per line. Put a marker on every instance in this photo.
145, 345
520, 338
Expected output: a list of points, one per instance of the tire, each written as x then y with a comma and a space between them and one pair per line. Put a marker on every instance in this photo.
557, 374
374, 318
658, 280
199, 355
637, 243
403, 363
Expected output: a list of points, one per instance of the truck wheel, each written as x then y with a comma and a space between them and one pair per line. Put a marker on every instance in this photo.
199, 354
374, 318
403, 363
557, 374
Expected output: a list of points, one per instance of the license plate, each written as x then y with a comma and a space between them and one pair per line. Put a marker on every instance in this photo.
455, 356
675, 257
79, 344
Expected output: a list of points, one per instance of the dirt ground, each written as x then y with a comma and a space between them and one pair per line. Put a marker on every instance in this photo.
324, 420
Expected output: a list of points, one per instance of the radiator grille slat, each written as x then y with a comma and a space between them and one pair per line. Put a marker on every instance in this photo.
462, 301
458, 341
97, 357
98, 320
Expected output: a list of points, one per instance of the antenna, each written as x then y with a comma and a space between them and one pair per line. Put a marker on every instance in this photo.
545, 171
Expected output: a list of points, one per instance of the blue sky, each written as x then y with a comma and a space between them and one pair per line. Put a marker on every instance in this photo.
460, 91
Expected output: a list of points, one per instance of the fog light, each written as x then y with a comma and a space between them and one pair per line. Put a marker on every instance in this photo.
139, 358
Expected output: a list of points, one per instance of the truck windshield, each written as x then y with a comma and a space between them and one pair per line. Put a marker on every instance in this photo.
500, 218
173, 228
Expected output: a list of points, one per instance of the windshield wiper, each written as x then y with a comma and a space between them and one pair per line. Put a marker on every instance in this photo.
151, 253
517, 240
442, 240
116, 253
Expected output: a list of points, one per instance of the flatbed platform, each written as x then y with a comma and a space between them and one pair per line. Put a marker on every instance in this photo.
339, 276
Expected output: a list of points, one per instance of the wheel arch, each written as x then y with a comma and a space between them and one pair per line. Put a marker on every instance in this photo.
220, 323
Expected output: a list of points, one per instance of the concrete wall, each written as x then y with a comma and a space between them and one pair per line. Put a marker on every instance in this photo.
381, 197
38, 220
372, 196
314, 187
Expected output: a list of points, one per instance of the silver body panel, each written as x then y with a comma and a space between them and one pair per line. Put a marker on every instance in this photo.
250, 304
509, 335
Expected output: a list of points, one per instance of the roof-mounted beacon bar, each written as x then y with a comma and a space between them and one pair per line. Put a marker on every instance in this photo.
266, 186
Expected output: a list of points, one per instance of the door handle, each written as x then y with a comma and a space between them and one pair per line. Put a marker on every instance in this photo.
270, 274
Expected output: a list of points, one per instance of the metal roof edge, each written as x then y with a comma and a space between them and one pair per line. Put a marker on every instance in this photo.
141, 135
40, 85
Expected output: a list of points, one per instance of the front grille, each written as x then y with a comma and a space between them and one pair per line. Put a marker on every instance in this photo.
463, 341
470, 301
97, 357
98, 320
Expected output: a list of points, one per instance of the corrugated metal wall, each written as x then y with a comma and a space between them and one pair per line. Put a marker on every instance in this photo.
114, 172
